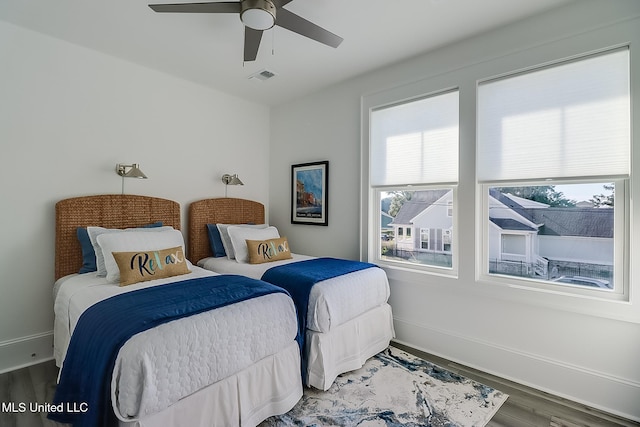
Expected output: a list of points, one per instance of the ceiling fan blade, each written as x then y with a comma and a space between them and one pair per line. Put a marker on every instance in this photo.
211, 7
297, 24
251, 43
280, 3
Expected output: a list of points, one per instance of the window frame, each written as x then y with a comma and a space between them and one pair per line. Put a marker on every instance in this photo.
621, 285
469, 201
427, 241
621, 208
375, 250
371, 248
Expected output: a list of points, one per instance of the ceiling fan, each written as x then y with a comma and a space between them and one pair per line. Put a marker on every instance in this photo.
257, 16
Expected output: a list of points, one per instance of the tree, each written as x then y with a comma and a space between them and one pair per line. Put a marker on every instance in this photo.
543, 194
399, 197
604, 201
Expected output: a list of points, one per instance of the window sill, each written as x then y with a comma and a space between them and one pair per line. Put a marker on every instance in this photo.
595, 303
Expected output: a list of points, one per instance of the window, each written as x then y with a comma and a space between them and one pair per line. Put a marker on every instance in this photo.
413, 167
553, 150
446, 240
514, 246
424, 238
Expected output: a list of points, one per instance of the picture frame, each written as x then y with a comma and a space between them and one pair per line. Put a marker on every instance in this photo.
310, 193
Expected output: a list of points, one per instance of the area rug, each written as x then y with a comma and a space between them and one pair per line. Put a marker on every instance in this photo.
395, 388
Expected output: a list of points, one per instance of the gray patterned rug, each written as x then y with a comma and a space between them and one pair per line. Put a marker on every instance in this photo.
395, 389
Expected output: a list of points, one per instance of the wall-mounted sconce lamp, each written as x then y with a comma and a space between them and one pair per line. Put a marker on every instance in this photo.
129, 171
230, 180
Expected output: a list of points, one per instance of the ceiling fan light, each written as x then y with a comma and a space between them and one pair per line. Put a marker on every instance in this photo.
258, 14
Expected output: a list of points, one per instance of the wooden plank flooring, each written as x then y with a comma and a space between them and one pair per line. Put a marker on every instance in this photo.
526, 407
35, 384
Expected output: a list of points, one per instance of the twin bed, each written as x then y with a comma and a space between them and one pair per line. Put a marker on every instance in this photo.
348, 317
231, 362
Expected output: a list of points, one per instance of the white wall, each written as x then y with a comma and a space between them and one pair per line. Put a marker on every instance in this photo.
579, 249
569, 352
67, 116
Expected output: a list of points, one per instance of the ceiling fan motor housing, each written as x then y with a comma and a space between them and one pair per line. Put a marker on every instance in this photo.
258, 14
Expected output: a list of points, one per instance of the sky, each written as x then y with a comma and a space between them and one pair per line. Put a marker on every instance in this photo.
581, 192
578, 192
312, 180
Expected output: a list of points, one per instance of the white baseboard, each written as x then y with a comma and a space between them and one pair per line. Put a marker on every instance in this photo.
25, 351
596, 389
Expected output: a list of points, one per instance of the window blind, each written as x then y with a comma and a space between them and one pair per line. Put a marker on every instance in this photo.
569, 120
415, 142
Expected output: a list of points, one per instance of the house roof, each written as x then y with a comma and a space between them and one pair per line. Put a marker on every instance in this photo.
583, 222
385, 220
511, 204
511, 224
420, 201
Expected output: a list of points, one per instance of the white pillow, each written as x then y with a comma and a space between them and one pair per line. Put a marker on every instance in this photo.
134, 241
94, 232
226, 241
240, 235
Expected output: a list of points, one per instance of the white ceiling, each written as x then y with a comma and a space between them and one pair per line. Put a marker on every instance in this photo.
208, 48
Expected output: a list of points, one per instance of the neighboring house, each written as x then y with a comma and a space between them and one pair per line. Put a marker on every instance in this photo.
385, 221
534, 233
425, 222
520, 230
386, 230
512, 232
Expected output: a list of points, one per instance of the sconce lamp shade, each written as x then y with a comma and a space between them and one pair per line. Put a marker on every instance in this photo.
231, 179
130, 171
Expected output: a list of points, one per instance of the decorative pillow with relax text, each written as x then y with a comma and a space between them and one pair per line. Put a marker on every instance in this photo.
141, 266
96, 232
239, 236
89, 260
143, 241
261, 251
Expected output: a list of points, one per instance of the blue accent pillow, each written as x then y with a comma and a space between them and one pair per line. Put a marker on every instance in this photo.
88, 254
217, 248
152, 225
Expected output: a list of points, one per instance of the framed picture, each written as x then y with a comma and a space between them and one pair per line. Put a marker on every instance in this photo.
310, 193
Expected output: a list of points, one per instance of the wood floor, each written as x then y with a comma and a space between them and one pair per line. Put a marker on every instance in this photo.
35, 384
525, 407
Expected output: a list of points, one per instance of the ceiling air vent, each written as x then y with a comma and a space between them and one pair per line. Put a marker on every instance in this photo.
262, 75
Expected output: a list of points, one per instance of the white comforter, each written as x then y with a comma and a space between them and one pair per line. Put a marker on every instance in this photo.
158, 367
332, 302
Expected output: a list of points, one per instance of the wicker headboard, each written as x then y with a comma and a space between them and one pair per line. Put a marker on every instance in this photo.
110, 211
218, 211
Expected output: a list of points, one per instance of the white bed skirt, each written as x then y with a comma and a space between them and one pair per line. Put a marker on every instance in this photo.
269, 387
348, 346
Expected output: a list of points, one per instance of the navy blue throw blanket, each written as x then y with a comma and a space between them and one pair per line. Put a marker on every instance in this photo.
84, 390
299, 277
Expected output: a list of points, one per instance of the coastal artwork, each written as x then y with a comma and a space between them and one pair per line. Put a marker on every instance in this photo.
309, 193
